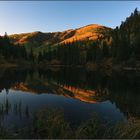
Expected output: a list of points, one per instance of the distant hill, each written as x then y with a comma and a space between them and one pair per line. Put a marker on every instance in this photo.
40, 39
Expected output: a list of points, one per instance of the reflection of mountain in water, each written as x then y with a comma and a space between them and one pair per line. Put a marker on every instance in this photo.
67, 91
90, 87
35, 87
80, 94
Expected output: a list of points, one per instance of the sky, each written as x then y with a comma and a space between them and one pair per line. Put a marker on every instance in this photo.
51, 16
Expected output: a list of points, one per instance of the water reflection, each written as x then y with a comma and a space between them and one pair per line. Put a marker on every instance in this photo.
9, 109
116, 95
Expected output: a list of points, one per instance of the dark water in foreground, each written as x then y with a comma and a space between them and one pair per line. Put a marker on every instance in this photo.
78, 93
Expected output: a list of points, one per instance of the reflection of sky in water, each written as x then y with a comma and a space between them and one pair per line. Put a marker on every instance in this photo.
74, 110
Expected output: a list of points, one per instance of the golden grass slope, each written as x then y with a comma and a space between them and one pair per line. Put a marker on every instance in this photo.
89, 32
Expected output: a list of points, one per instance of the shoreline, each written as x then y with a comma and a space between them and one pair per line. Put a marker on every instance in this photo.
44, 66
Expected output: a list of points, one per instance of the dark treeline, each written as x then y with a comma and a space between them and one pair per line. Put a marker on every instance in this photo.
76, 53
126, 39
11, 52
121, 45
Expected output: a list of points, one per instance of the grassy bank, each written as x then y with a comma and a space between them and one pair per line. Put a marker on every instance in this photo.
50, 124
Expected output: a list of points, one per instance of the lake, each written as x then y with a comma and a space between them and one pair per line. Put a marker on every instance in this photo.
78, 93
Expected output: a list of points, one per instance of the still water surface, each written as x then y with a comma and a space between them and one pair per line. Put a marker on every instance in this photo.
78, 93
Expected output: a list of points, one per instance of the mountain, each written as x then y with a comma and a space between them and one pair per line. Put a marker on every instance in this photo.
91, 46
40, 39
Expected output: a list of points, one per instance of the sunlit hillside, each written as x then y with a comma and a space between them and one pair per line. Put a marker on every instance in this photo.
39, 39
89, 32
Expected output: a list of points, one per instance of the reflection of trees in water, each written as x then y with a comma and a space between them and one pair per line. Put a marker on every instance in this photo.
121, 88
18, 109
74, 77
4, 108
11, 77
